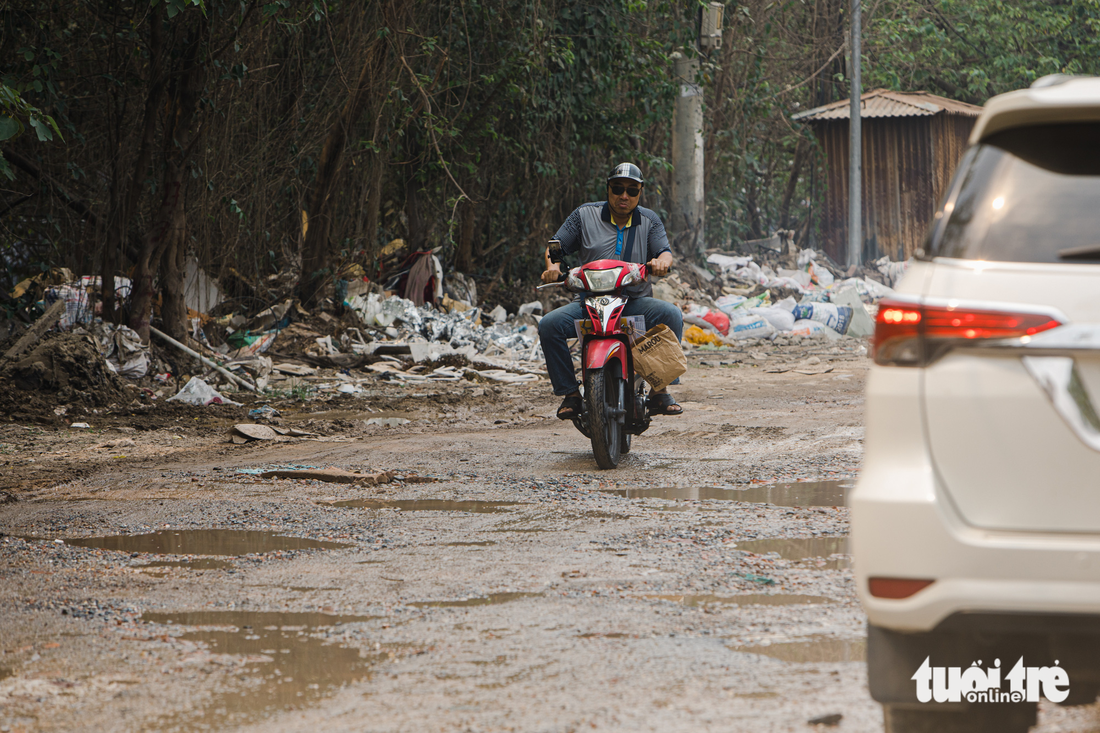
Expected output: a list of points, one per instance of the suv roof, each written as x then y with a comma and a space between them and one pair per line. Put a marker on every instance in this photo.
1072, 99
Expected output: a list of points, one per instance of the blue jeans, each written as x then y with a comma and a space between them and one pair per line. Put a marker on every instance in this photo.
557, 327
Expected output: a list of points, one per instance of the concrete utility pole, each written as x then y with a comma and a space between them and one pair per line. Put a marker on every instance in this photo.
687, 160
687, 210
855, 150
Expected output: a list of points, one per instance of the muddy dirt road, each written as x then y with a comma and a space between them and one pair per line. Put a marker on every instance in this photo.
152, 579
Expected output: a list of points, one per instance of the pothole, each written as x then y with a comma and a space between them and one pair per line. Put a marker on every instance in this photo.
280, 665
813, 651
800, 493
204, 542
758, 599
431, 505
831, 551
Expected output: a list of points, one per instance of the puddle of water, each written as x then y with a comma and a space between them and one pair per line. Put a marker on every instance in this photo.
757, 599
801, 493
490, 600
801, 549
200, 564
284, 667
813, 651
204, 542
254, 471
253, 619
431, 505
486, 543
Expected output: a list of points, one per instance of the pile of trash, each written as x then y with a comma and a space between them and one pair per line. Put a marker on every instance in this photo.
411, 327
761, 301
365, 334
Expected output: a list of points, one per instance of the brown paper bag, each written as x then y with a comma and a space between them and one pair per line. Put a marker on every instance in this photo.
658, 357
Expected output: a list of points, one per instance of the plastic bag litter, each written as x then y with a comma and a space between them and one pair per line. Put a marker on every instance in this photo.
749, 326
719, 320
802, 278
807, 327
782, 319
198, 392
737, 304
699, 337
458, 329
122, 348
869, 290
729, 302
836, 317
891, 271
727, 263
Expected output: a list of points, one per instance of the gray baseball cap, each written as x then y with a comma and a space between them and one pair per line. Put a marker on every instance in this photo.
626, 170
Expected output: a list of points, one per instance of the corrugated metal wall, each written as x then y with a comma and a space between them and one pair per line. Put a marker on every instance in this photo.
907, 164
949, 136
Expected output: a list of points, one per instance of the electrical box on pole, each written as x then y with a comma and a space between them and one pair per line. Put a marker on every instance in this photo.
710, 26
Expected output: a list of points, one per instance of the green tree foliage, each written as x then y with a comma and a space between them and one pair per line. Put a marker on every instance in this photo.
474, 125
973, 49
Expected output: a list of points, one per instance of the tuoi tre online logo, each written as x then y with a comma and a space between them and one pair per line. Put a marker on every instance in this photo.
974, 684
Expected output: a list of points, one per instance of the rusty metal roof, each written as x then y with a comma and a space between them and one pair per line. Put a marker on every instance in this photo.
885, 103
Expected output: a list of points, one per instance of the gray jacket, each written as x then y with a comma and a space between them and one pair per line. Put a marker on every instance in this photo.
589, 232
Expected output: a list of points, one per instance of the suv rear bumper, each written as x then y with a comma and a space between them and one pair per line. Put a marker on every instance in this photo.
905, 526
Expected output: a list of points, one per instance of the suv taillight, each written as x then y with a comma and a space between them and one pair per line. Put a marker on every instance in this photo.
912, 334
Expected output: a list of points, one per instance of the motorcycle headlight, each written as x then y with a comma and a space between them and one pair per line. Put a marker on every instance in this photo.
602, 281
632, 275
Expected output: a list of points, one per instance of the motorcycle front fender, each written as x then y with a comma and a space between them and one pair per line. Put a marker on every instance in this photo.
597, 352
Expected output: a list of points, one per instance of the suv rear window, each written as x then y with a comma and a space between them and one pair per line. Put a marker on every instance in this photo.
1029, 194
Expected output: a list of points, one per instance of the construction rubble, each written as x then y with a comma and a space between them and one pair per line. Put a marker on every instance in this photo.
368, 335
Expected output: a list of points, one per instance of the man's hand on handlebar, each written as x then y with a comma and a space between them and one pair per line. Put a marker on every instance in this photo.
660, 265
552, 274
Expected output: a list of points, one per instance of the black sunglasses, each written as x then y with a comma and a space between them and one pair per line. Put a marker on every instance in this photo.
633, 191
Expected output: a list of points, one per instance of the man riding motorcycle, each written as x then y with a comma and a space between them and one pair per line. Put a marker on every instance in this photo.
620, 229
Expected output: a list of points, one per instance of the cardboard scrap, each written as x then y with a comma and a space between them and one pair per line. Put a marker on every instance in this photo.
299, 370
332, 475
247, 431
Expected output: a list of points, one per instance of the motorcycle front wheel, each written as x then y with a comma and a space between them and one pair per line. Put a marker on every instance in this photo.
601, 395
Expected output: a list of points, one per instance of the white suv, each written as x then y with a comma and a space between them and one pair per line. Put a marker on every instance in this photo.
976, 517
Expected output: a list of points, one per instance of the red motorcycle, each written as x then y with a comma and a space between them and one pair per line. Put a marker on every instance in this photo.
614, 395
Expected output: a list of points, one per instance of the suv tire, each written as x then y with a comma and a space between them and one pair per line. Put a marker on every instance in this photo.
988, 718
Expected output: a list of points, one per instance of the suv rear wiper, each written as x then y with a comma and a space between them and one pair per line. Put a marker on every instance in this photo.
1091, 252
